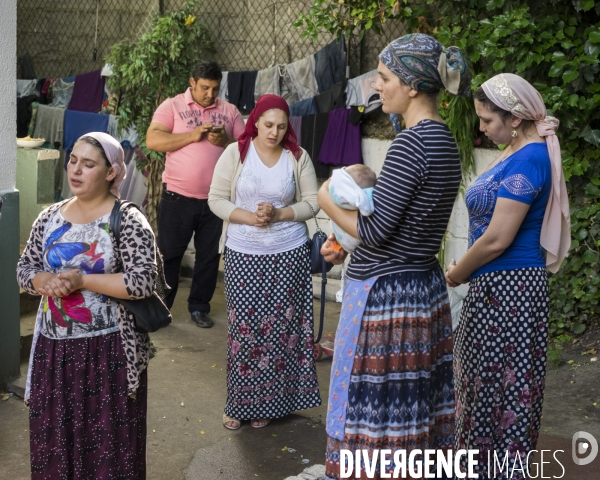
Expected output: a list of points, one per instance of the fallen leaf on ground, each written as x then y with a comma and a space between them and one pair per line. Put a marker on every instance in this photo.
591, 351
284, 449
571, 361
214, 366
5, 398
201, 432
273, 434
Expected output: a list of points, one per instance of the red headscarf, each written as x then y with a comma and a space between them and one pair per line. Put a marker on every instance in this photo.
266, 102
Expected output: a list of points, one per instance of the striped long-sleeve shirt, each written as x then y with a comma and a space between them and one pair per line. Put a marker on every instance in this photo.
413, 199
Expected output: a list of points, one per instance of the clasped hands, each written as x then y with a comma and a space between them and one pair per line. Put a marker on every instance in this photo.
61, 284
452, 282
264, 215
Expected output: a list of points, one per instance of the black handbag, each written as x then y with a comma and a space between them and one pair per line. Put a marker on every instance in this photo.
319, 265
150, 313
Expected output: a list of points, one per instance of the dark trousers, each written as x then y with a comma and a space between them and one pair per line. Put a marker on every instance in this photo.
179, 218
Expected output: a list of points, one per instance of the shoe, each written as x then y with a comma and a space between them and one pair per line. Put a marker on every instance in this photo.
231, 423
202, 319
260, 422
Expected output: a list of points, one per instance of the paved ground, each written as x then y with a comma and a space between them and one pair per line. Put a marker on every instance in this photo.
187, 441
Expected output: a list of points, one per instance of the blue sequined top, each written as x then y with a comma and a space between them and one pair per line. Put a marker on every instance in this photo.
526, 177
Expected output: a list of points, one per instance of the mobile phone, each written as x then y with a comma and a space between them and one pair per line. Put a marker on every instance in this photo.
217, 129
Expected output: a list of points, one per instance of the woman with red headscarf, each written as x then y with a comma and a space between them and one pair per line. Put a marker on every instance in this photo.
264, 187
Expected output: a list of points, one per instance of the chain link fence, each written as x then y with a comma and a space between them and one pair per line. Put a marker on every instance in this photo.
68, 37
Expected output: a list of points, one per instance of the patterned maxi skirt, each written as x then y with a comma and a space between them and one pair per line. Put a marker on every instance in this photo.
401, 395
82, 423
270, 365
500, 367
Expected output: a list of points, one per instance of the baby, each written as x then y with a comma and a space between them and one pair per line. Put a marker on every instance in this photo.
351, 188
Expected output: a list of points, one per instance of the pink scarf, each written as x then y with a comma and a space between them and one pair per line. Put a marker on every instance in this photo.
516, 95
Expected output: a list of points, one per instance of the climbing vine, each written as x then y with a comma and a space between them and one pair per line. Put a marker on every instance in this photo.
555, 45
154, 67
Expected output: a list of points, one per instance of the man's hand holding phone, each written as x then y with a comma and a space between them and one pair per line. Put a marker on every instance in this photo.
218, 137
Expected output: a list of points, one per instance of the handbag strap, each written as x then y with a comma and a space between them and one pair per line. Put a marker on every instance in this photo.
314, 215
323, 277
114, 223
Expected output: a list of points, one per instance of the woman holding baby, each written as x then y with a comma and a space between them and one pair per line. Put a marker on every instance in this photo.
392, 382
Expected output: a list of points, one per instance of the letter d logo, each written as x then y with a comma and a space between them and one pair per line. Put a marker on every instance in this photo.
589, 447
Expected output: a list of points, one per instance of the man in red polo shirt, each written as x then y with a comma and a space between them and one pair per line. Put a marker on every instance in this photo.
193, 128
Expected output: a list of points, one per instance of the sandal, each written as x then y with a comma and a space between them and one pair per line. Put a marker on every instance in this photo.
231, 423
260, 422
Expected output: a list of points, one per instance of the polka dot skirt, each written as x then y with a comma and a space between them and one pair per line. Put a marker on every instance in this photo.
270, 365
500, 365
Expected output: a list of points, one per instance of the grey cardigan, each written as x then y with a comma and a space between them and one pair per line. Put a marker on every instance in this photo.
221, 197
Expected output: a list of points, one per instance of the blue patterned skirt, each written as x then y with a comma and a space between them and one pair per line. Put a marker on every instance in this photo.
401, 394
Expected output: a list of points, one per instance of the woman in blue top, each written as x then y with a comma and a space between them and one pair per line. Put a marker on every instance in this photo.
517, 206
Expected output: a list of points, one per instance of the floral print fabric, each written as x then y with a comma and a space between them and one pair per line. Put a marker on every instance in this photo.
270, 364
87, 248
83, 425
500, 365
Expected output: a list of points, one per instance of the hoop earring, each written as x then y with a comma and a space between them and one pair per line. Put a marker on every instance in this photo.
513, 134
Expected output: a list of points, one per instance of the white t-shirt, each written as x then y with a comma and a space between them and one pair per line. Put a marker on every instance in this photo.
258, 183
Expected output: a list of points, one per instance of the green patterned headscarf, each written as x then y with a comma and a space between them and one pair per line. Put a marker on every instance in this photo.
426, 65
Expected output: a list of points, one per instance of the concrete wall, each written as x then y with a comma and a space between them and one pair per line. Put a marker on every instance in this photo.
9, 222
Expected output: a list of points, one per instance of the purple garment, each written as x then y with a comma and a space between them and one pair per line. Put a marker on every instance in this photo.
296, 123
341, 145
82, 423
88, 92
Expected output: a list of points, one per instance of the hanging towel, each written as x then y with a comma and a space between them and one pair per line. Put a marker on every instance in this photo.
50, 126
361, 89
334, 98
26, 87
127, 137
300, 81
88, 92
304, 107
341, 145
267, 81
24, 114
313, 132
241, 89
79, 123
296, 124
330, 65
62, 91
224, 89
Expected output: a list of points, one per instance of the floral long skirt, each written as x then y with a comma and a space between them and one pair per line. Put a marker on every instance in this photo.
401, 395
82, 423
270, 365
500, 367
